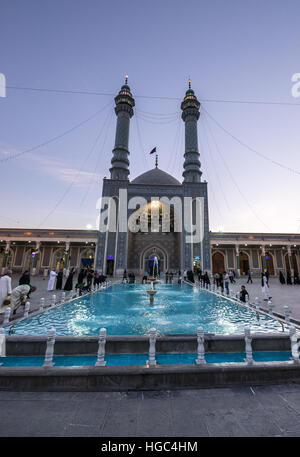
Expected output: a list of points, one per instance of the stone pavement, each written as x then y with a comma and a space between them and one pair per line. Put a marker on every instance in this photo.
281, 294
233, 412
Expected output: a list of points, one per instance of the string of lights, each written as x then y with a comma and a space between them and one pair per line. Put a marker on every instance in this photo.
232, 178
65, 193
154, 97
249, 147
55, 138
105, 127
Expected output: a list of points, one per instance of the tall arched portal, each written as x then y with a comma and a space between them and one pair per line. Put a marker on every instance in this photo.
244, 263
147, 260
269, 263
218, 262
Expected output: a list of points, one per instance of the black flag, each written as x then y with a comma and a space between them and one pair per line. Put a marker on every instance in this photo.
153, 150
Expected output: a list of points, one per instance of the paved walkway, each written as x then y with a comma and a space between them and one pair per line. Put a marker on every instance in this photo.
245, 411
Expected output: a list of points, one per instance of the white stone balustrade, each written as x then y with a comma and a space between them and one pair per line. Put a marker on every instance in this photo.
294, 344
248, 346
48, 362
152, 340
63, 297
287, 313
101, 348
42, 304
270, 307
26, 309
7, 315
200, 350
77, 293
2, 343
53, 300
257, 303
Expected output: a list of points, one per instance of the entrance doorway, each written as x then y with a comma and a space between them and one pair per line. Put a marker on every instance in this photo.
218, 263
244, 263
147, 260
110, 267
269, 263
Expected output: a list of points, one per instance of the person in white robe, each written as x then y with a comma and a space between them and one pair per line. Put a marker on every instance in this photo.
5, 285
52, 279
265, 288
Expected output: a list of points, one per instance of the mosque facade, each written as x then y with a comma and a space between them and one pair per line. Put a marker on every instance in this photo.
145, 198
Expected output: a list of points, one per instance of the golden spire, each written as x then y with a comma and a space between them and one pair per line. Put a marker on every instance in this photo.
126, 79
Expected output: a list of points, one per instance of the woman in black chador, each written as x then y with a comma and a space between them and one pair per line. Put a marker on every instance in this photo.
59, 280
69, 281
80, 276
281, 278
25, 278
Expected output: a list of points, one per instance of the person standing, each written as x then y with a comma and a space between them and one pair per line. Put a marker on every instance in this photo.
206, 279
249, 277
69, 281
25, 278
243, 293
52, 278
226, 282
5, 285
221, 282
217, 279
59, 280
281, 278
265, 287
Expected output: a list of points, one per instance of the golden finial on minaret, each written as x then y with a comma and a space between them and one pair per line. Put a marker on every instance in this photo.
190, 83
126, 79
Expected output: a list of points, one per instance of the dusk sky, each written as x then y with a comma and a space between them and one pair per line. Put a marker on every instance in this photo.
232, 50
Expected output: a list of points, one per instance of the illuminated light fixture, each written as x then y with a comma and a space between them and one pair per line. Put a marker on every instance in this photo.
28, 233
154, 204
89, 226
246, 244
51, 233
58, 241
270, 244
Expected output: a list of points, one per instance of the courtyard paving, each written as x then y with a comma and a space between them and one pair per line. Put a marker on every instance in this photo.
232, 412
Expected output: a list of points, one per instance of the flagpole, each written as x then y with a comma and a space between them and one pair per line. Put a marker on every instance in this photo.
156, 161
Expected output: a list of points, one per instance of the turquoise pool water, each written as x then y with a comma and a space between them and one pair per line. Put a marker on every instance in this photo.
140, 359
124, 309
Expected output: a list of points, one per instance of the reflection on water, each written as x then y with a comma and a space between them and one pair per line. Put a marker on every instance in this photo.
124, 310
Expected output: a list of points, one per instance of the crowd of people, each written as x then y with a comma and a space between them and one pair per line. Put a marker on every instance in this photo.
86, 278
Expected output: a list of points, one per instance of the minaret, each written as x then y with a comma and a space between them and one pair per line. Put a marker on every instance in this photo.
124, 111
190, 115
